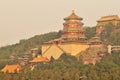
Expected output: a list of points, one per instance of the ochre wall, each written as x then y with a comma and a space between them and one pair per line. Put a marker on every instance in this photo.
49, 50
52, 51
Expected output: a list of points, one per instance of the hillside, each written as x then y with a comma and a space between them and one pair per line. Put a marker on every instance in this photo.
109, 36
25, 45
66, 67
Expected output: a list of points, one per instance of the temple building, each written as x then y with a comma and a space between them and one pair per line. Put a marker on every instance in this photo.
72, 40
40, 60
12, 69
95, 42
107, 20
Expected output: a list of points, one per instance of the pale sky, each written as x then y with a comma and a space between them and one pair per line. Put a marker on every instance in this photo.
22, 19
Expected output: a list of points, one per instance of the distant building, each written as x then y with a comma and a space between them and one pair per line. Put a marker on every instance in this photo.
38, 60
12, 69
92, 60
25, 59
72, 41
34, 52
101, 54
106, 20
95, 42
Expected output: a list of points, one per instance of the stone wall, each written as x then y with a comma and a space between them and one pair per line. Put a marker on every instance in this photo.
56, 51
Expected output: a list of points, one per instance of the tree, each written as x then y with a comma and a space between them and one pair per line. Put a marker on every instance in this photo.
90, 32
115, 38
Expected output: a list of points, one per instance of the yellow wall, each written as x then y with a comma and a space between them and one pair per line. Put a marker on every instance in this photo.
70, 48
52, 51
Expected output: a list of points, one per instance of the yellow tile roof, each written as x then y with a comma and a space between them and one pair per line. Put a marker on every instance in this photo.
107, 18
40, 59
11, 68
73, 16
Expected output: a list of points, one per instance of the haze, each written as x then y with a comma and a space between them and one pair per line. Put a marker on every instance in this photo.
22, 19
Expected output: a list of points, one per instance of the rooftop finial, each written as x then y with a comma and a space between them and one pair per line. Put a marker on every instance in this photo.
73, 11
73, 16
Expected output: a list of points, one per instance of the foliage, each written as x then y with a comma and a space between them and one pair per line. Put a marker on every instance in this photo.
25, 45
66, 67
111, 34
115, 38
105, 35
90, 32
62, 69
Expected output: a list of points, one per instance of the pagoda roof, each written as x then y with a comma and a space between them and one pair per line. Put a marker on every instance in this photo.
12, 68
40, 59
108, 18
73, 16
95, 39
34, 49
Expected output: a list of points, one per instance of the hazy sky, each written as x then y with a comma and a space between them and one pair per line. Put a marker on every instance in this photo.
22, 19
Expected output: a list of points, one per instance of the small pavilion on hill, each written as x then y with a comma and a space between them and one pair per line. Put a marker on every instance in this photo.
95, 42
40, 60
12, 69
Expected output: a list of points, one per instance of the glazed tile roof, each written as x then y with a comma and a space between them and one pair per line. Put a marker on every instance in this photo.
40, 59
95, 39
11, 68
107, 18
73, 16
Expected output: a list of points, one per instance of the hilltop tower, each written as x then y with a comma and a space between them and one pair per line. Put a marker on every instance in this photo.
72, 41
73, 28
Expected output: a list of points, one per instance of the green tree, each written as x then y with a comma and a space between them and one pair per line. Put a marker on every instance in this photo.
90, 32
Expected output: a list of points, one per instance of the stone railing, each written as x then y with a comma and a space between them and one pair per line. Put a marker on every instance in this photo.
113, 48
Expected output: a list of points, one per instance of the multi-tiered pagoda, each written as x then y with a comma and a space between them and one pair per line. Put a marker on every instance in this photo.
73, 28
72, 40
